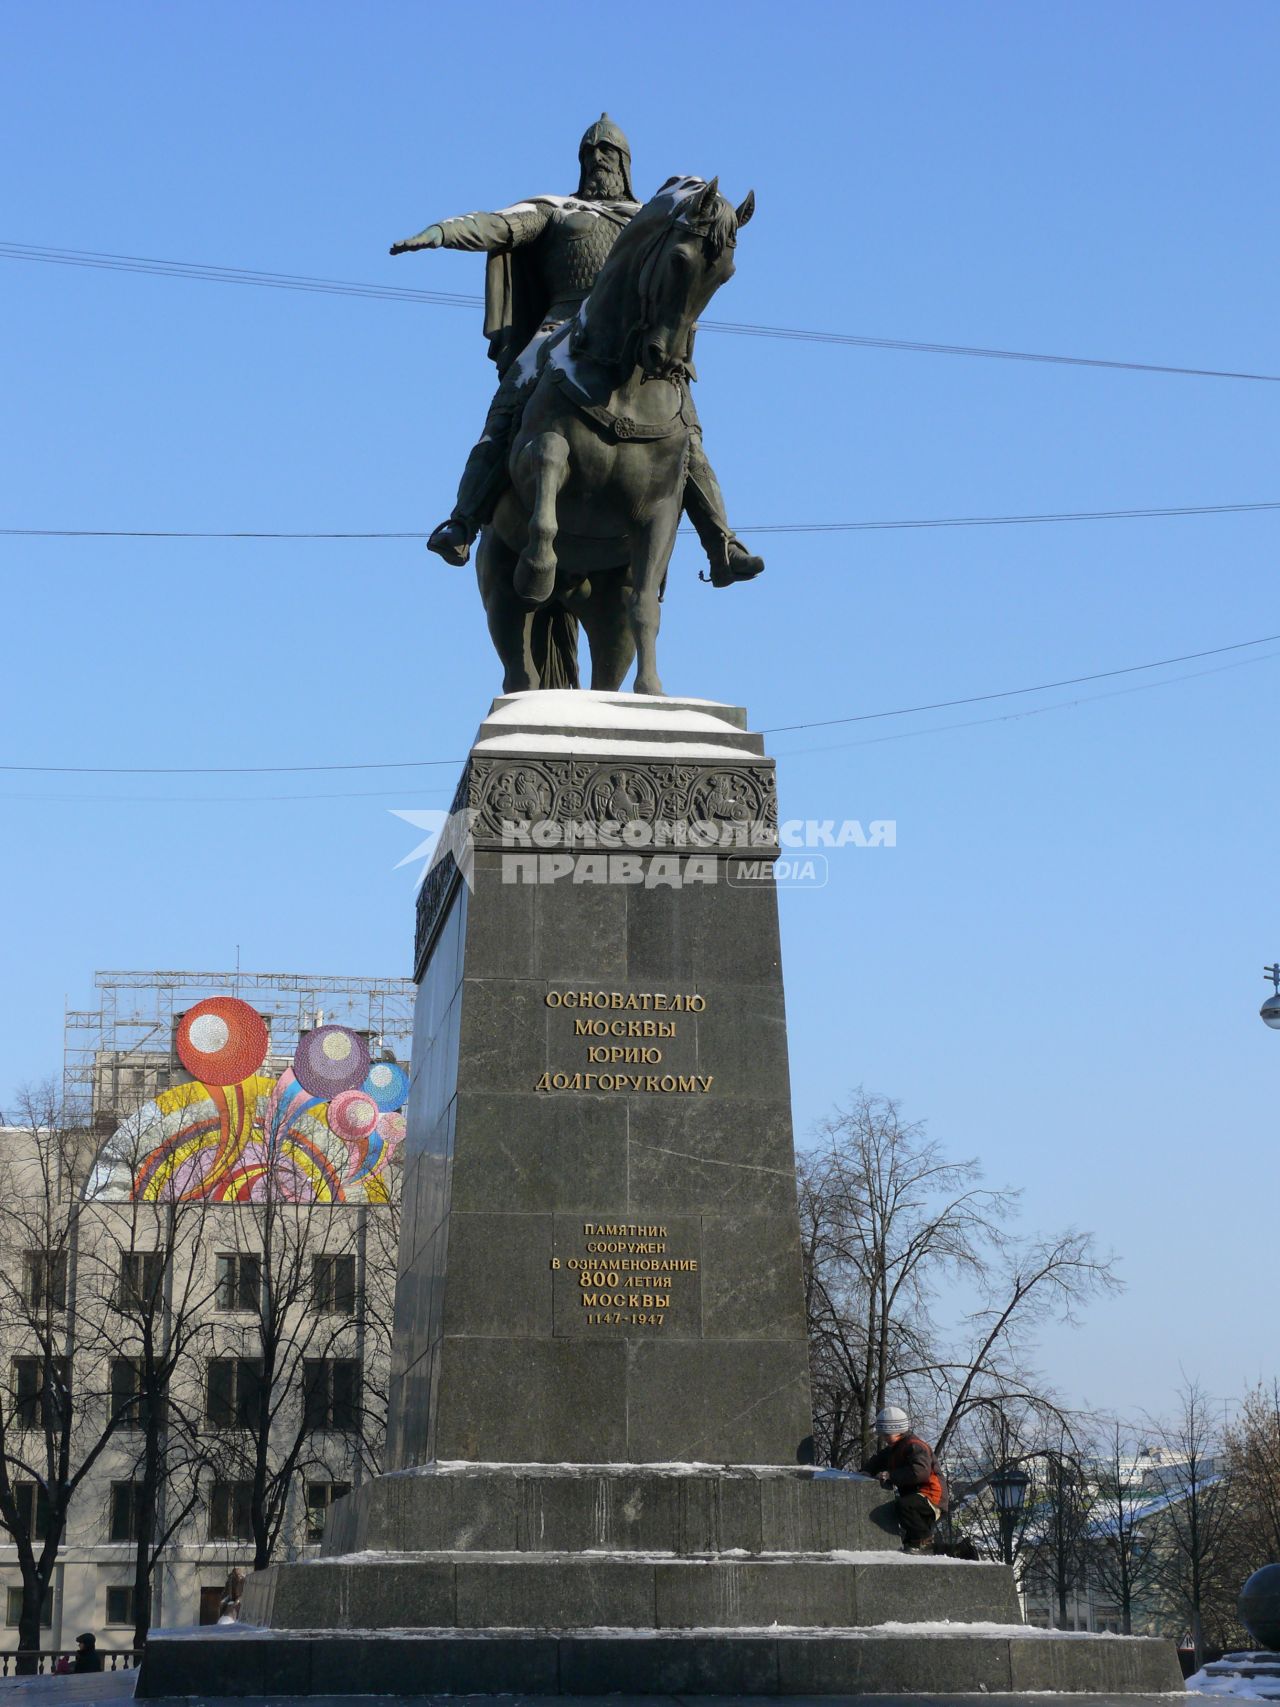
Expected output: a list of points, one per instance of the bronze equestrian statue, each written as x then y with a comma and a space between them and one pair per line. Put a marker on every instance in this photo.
546, 257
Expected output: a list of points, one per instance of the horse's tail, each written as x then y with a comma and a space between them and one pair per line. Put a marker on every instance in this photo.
554, 643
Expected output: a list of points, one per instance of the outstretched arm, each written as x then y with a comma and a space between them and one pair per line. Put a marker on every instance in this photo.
491, 232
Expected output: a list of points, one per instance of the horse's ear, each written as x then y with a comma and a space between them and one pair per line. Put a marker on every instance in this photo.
746, 209
707, 200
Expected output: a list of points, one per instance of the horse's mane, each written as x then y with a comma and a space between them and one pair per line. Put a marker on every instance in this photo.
718, 224
599, 331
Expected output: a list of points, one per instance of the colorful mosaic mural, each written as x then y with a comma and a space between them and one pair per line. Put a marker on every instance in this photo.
325, 1131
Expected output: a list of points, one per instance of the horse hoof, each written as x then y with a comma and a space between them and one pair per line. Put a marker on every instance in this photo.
650, 685
534, 584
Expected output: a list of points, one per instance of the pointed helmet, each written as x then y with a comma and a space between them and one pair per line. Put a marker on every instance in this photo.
604, 130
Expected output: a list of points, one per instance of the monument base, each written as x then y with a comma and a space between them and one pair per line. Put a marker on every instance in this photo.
600, 1260
644, 1579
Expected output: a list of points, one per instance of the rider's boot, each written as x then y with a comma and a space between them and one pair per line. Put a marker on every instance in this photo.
452, 540
735, 563
728, 557
480, 487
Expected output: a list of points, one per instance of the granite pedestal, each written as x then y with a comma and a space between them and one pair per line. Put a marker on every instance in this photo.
600, 1408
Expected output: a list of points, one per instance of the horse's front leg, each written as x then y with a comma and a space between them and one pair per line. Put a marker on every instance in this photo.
545, 460
652, 544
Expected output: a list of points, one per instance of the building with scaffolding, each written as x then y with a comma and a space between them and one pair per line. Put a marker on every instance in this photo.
234, 1140
120, 1054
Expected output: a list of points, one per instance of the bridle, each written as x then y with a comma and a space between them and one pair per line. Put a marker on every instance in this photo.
651, 256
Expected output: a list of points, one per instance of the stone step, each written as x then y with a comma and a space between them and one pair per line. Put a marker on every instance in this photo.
567, 1509
1245, 1665
585, 721
556, 1591
240, 1662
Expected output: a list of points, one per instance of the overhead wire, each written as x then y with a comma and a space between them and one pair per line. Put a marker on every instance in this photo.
1025, 711
1014, 693
1022, 713
1146, 514
210, 272
774, 729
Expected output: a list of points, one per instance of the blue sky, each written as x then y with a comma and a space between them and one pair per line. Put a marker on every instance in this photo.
1058, 965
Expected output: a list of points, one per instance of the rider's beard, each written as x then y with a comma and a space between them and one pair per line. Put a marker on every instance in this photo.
603, 185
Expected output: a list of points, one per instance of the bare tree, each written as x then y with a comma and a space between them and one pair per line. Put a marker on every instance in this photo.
994, 1438
1196, 1513
1025, 1284
1060, 1505
307, 1316
1252, 1445
147, 1268
1119, 1538
48, 1444
886, 1220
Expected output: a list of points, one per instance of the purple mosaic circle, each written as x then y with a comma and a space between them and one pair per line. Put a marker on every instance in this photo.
330, 1059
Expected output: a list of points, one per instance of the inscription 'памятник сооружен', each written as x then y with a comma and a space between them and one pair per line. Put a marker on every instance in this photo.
625, 1274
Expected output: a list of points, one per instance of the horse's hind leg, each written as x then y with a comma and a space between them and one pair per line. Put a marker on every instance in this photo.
510, 621
603, 615
546, 459
650, 555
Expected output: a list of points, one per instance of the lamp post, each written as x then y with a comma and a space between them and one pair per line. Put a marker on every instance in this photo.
1270, 1009
1009, 1486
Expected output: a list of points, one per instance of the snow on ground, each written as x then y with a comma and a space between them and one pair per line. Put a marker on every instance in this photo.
669, 1467
656, 1556
1264, 1687
667, 1633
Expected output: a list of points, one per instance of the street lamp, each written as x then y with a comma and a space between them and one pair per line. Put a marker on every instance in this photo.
1270, 1009
1010, 1489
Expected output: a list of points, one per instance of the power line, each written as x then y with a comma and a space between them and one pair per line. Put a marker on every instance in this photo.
1023, 711
774, 729
1013, 693
227, 770
212, 273
1021, 714
763, 527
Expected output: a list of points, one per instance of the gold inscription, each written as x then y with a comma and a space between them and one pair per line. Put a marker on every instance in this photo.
657, 1002
628, 1276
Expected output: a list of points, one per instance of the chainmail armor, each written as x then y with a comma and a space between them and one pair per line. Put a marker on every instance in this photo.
571, 253
525, 225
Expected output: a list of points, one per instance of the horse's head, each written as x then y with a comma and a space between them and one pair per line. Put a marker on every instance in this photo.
663, 271
689, 261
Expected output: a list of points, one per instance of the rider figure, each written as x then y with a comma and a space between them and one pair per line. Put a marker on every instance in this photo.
544, 255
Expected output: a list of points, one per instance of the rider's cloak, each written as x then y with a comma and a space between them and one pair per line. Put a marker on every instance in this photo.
516, 295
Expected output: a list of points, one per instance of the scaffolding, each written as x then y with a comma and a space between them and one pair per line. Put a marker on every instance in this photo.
119, 1054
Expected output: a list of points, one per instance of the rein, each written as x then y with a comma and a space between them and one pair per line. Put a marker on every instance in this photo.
623, 427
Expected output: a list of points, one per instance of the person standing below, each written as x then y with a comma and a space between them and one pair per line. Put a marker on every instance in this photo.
87, 1656
907, 1464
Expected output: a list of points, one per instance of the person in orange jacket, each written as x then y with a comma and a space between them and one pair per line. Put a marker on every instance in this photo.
907, 1464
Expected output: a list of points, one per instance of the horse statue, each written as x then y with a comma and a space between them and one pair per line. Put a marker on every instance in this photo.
585, 531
